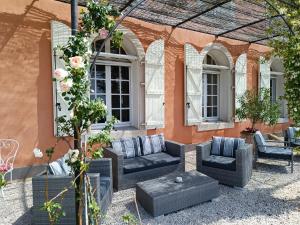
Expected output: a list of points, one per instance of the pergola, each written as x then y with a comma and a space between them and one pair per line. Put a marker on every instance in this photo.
243, 20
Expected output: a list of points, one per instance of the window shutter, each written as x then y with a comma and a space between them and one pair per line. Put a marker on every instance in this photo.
60, 34
155, 85
193, 85
240, 78
265, 73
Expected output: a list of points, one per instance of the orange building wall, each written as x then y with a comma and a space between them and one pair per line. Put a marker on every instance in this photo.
25, 75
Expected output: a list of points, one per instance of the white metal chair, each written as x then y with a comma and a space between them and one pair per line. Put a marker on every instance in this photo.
8, 152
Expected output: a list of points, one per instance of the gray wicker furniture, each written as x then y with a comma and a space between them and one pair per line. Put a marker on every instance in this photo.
100, 173
163, 195
279, 150
127, 172
290, 137
232, 171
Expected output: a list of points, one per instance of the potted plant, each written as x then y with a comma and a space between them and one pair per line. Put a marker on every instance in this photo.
258, 108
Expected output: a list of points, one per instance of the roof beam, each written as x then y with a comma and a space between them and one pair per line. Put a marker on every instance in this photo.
265, 38
203, 12
126, 5
246, 25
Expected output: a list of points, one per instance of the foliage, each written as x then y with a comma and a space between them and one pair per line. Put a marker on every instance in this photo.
258, 108
3, 182
130, 219
288, 48
54, 210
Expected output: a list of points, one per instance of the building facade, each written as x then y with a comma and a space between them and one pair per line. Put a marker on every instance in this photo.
182, 83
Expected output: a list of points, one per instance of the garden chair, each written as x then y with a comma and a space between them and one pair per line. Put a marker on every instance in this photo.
228, 160
8, 152
270, 149
290, 137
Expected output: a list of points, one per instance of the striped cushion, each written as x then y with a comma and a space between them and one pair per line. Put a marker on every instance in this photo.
152, 144
224, 146
130, 147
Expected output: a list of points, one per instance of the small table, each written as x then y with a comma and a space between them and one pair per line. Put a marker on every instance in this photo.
163, 195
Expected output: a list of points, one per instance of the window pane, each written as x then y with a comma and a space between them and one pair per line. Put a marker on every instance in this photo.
100, 71
209, 78
125, 115
125, 101
115, 72
98, 45
215, 79
215, 100
116, 113
93, 73
215, 111
209, 112
125, 87
209, 89
215, 89
115, 101
115, 87
209, 100
125, 73
92, 97
92, 86
100, 86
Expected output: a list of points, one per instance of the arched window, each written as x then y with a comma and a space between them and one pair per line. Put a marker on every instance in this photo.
111, 81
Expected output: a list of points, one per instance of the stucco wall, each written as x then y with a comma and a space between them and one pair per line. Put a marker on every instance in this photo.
25, 75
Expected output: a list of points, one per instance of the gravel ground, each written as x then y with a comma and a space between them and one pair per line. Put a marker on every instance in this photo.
271, 197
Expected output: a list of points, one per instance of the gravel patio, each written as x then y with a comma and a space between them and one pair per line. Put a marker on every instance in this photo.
271, 197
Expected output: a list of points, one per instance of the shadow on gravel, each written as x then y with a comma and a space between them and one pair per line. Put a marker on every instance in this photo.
25, 219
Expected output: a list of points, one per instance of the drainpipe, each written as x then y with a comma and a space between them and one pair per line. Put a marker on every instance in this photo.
74, 17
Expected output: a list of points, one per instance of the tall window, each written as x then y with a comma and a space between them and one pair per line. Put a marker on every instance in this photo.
210, 97
110, 82
273, 85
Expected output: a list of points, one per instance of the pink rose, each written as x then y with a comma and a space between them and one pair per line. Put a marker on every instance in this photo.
103, 33
76, 62
60, 74
65, 85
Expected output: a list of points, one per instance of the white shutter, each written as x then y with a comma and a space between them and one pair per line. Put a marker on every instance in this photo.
265, 73
155, 85
60, 34
193, 85
240, 78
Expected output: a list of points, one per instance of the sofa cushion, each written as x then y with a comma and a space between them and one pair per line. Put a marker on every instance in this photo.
225, 146
130, 147
149, 162
152, 144
292, 134
260, 141
276, 153
55, 168
104, 185
220, 162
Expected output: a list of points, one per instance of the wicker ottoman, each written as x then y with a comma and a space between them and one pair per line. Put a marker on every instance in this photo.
162, 195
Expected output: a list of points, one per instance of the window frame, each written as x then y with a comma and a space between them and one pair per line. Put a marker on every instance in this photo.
204, 98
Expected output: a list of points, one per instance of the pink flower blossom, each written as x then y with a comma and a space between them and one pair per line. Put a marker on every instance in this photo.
76, 62
4, 168
103, 33
60, 74
65, 85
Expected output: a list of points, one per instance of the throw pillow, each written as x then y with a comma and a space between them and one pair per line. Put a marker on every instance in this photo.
130, 147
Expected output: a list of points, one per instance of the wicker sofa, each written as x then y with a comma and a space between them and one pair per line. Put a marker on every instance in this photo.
289, 136
100, 173
233, 168
128, 171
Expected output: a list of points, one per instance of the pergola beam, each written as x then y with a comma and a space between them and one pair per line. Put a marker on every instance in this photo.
203, 12
126, 5
246, 25
265, 38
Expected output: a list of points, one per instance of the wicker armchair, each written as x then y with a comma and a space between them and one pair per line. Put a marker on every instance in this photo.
232, 171
279, 150
123, 179
100, 173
